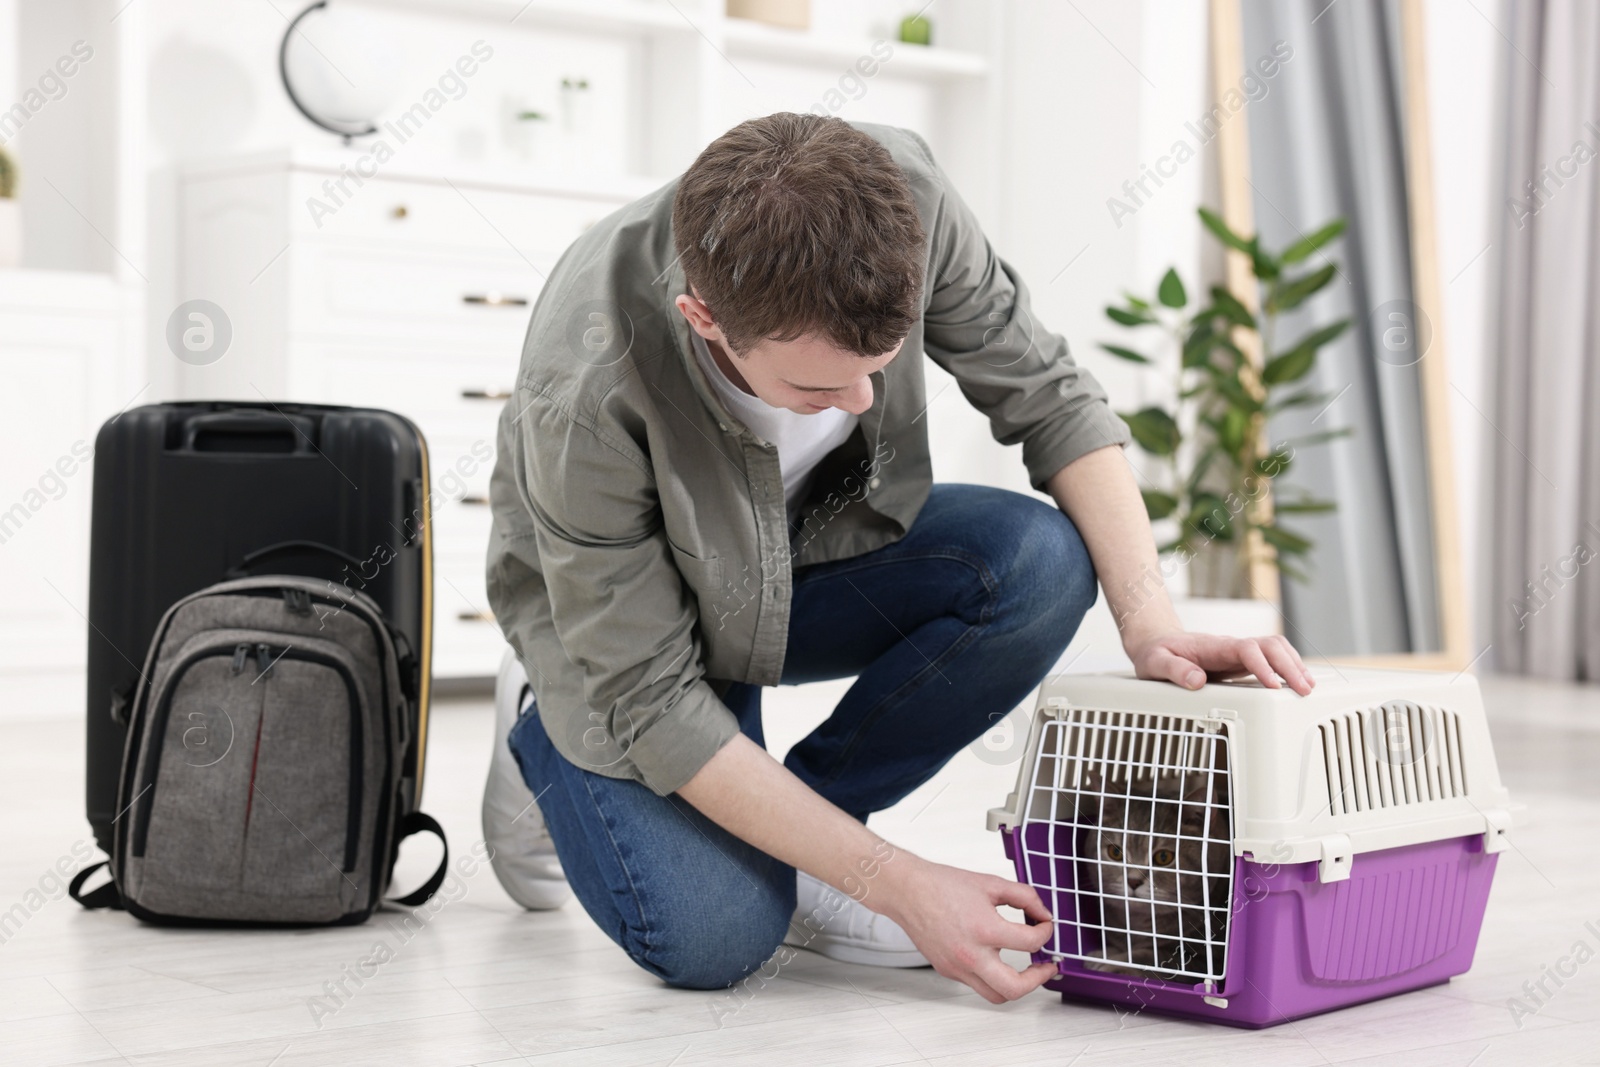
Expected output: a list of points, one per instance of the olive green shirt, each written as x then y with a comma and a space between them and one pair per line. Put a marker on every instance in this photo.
641, 548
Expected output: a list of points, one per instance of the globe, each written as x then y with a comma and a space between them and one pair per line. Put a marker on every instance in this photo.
340, 63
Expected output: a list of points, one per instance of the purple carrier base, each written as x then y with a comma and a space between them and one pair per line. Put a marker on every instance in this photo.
1406, 918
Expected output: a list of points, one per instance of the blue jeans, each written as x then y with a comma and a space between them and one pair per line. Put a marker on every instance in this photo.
944, 630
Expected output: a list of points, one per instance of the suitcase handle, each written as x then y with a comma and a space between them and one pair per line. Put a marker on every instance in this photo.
243, 567
248, 431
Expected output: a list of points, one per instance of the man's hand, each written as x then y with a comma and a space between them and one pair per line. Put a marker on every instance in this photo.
1190, 659
949, 913
950, 916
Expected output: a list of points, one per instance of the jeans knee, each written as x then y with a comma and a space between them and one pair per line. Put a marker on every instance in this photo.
1050, 576
714, 948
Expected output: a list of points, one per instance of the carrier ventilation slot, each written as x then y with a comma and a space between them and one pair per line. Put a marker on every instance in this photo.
1392, 756
1128, 836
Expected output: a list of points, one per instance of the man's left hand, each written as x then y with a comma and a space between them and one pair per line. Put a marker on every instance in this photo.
1190, 660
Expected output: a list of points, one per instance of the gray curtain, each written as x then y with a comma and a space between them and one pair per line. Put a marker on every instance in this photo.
1545, 551
1327, 141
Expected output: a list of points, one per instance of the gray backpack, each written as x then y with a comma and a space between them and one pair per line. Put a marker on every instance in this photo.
263, 779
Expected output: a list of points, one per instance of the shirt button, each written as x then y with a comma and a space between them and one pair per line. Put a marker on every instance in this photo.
874, 483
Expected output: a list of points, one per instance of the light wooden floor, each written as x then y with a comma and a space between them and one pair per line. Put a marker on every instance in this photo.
484, 982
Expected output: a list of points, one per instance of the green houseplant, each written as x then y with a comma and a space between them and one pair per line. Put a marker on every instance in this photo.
1217, 470
10, 214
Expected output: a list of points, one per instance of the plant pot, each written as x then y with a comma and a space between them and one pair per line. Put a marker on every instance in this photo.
1214, 571
10, 233
792, 14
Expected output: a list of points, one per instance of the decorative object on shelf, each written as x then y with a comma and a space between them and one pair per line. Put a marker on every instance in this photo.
344, 79
10, 214
790, 14
916, 29
575, 106
521, 127
1220, 488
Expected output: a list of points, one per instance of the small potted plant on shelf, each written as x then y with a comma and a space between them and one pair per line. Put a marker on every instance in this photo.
1216, 483
10, 214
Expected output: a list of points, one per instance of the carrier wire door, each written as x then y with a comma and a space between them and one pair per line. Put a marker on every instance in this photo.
1138, 859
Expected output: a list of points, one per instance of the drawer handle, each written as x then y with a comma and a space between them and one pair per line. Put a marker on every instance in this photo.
493, 299
476, 616
475, 498
485, 394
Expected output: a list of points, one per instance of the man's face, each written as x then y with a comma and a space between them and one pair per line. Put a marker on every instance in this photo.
806, 375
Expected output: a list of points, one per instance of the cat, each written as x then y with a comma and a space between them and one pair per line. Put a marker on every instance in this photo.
1130, 855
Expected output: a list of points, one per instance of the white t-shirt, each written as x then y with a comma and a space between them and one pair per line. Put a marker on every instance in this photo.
802, 440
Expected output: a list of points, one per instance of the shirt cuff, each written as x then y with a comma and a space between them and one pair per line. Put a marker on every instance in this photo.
673, 747
1087, 425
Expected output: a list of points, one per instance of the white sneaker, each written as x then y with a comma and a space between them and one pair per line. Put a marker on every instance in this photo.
827, 921
523, 857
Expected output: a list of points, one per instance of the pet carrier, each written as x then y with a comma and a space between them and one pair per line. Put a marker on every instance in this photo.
1251, 856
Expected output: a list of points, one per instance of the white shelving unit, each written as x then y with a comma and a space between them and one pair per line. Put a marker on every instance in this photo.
70, 321
696, 72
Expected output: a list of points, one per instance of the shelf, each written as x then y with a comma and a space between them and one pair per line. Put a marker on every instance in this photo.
417, 168
640, 17
61, 291
759, 41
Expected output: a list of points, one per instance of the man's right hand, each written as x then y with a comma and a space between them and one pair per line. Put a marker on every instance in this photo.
950, 915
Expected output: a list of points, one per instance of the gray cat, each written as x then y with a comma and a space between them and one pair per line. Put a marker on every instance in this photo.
1140, 863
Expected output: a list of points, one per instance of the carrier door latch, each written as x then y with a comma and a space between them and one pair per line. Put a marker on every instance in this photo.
1497, 830
1334, 866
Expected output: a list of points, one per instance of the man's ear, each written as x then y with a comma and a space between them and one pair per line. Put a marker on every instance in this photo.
699, 316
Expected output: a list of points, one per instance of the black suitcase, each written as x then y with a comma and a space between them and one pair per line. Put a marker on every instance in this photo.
189, 494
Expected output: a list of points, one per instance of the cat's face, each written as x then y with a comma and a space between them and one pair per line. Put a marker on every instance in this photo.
1157, 853
1144, 838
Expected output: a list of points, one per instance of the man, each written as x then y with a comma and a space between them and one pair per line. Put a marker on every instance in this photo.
714, 476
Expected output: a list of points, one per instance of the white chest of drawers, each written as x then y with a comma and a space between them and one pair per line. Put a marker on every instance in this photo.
408, 289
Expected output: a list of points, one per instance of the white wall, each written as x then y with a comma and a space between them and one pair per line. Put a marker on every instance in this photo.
1090, 91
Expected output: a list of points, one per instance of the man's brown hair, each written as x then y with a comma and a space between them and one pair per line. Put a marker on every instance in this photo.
791, 225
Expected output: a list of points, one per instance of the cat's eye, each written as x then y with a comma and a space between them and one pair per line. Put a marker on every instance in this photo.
1163, 857
1114, 853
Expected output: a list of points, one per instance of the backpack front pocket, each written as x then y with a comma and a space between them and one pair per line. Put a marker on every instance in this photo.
252, 782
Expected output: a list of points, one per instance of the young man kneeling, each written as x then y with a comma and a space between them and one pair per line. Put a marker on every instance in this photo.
713, 477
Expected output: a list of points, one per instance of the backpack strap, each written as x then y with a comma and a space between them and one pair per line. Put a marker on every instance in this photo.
415, 822
104, 897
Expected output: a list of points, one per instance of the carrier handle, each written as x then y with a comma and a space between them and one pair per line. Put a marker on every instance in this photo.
242, 568
200, 430
415, 822
104, 897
